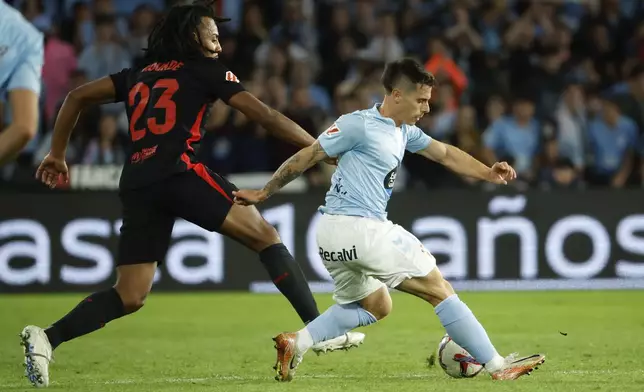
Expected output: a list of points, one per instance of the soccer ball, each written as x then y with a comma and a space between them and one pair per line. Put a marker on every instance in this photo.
456, 361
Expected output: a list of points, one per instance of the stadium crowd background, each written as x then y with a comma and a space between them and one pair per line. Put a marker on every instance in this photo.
554, 87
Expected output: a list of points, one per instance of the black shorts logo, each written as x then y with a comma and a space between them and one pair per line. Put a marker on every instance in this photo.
390, 178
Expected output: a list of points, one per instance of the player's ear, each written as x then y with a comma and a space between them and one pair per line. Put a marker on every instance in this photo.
397, 95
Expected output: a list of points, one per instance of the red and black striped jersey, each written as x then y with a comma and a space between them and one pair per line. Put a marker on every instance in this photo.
166, 105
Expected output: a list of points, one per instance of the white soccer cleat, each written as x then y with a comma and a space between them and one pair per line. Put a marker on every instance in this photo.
344, 342
38, 354
515, 366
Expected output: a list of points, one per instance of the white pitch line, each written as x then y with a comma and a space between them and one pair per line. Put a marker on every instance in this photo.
403, 376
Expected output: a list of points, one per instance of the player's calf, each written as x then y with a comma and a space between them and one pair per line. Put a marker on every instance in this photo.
335, 321
91, 314
246, 225
95, 311
458, 320
378, 304
331, 330
463, 327
338, 320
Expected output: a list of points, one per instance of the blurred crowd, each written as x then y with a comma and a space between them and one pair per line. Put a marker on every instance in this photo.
555, 87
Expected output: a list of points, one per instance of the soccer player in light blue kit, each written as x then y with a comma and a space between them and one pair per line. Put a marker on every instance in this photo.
21, 61
364, 252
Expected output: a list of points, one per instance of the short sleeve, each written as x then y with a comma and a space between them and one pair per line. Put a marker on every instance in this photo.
120, 85
417, 139
220, 81
345, 134
27, 74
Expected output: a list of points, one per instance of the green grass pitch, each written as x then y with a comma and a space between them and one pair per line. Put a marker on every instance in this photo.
222, 342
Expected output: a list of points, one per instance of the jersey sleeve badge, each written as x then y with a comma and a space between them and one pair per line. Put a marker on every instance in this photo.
231, 77
333, 129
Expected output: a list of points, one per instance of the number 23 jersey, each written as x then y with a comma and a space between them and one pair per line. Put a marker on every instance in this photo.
166, 104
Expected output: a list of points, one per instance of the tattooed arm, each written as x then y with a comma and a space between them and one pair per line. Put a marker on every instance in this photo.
290, 170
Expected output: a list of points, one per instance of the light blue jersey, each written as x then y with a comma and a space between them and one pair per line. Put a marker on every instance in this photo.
370, 149
21, 52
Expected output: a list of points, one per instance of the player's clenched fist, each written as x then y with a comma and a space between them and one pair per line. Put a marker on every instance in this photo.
501, 173
50, 171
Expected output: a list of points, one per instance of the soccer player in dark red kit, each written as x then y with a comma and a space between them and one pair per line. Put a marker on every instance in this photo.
167, 100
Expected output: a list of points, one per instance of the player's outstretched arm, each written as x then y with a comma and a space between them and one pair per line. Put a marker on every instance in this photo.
463, 163
274, 121
290, 170
95, 92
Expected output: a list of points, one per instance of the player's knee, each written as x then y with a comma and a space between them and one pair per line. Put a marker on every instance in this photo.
433, 288
437, 292
264, 236
133, 303
379, 304
269, 233
382, 309
133, 299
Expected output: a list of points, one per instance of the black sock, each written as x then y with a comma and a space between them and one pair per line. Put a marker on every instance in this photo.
290, 281
91, 314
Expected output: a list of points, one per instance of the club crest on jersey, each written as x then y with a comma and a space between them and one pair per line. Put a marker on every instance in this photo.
231, 77
332, 130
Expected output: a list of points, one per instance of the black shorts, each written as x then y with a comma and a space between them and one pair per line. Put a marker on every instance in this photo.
198, 195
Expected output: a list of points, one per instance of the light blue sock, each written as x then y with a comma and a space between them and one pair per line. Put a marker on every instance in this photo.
338, 320
465, 329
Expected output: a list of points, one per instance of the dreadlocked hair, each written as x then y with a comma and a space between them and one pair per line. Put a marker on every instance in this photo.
173, 37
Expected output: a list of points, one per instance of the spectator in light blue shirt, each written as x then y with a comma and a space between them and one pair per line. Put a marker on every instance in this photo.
571, 120
612, 139
515, 138
105, 56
